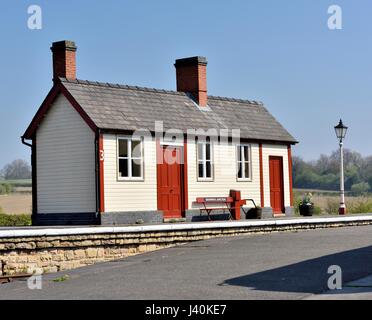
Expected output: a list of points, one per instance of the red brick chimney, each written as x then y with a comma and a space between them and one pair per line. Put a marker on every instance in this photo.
64, 59
192, 78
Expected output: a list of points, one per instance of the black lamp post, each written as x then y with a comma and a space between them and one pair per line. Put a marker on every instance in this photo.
341, 130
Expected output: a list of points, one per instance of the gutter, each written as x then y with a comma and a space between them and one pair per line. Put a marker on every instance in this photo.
33, 174
26, 143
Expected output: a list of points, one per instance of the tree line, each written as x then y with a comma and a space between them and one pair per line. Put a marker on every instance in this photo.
324, 173
17, 169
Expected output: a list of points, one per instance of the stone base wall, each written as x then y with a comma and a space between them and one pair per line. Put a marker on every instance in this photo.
267, 212
62, 252
57, 253
132, 217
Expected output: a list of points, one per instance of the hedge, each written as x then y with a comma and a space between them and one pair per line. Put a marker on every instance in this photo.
13, 220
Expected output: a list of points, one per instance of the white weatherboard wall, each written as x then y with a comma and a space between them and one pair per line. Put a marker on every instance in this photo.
129, 195
121, 196
281, 151
224, 174
65, 160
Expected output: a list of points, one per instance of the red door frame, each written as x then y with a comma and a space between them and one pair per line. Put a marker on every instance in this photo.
183, 178
281, 184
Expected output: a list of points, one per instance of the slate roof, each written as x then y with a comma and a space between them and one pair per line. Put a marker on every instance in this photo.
122, 107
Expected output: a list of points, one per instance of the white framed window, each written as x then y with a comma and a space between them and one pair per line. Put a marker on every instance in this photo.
205, 161
243, 161
130, 158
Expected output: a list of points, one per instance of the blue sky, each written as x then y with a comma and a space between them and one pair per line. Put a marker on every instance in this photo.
278, 52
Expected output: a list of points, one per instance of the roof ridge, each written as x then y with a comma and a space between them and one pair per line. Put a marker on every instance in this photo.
236, 100
148, 89
119, 86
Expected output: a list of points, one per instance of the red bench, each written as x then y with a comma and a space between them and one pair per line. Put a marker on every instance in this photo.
232, 204
216, 203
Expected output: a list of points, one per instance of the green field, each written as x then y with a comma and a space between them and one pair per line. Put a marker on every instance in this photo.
18, 183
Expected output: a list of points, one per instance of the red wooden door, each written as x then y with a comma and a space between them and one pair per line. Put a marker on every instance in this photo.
276, 184
169, 182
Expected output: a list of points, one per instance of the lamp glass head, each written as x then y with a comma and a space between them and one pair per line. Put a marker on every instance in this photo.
341, 130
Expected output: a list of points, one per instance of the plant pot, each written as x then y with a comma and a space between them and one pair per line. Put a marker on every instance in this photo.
306, 210
254, 213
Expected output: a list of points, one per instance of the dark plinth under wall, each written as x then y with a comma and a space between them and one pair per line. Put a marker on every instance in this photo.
65, 219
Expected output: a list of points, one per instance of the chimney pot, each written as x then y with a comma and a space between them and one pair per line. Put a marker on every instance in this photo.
191, 76
64, 59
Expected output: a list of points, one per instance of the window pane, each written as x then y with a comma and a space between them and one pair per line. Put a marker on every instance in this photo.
239, 153
208, 151
123, 148
201, 170
136, 168
123, 167
240, 171
200, 151
246, 170
136, 149
208, 170
246, 157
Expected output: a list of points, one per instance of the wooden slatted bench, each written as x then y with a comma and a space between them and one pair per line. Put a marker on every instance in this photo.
216, 203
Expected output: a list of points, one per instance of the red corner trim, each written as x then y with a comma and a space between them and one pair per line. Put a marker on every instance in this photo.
262, 193
159, 156
101, 159
290, 174
185, 177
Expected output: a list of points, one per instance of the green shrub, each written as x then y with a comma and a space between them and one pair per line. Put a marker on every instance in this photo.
12, 220
361, 188
298, 200
296, 204
6, 188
